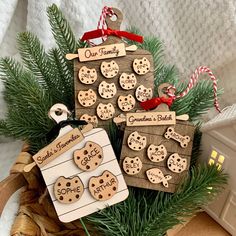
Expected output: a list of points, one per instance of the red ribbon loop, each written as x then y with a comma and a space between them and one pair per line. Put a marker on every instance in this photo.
98, 33
154, 102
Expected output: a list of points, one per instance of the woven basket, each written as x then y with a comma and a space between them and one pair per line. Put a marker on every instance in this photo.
36, 214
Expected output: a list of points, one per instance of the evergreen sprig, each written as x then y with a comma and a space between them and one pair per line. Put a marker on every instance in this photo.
61, 30
156, 212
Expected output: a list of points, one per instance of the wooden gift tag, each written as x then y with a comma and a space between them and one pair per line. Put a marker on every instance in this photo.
62, 174
164, 161
126, 79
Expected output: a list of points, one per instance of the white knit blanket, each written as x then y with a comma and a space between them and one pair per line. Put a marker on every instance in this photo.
201, 32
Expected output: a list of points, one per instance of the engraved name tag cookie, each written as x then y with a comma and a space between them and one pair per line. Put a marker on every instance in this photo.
103, 187
89, 157
105, 111
87, 98
68, 190
107, 90
141, 66
132, 165
87, 76
109, 69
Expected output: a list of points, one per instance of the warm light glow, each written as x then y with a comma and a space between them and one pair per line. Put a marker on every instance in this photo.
211, 162
219, 166
214, 154
221, 159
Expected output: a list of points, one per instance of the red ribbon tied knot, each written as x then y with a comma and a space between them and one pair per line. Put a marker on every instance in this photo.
154, 102
98, 33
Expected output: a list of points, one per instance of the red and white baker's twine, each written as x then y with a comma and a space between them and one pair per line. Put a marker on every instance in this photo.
102, 19
193, 81
102, 22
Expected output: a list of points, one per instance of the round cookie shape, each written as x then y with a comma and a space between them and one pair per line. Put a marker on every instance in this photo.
103, 187
177, 164
87, 76
89, 157
68, 190
143, 94
87, 98
136, 141
107, 90
126, 103
141, 66
128, 81
156, 153
109, 69
156, 176
90, 119
105, 111
132, 165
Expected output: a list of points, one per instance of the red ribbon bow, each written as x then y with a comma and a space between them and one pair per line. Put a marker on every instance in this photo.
106, 32
154, 102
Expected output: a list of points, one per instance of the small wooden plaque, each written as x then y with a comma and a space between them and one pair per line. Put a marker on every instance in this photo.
150, 118
155, 136
57, 147
102, 52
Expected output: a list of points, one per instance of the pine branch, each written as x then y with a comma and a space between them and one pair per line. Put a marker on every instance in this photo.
196, 145
28, 104
4, 130
34, 56
116, 138
64, 77
64, 38
156, 212
203, 185
61, 30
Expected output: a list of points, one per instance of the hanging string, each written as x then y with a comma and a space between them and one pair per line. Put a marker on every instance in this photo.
106, 11
101, 23
192, 82
103, 31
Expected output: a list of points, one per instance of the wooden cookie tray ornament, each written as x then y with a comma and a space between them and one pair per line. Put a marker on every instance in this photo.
112, 77
80, 170
157, 147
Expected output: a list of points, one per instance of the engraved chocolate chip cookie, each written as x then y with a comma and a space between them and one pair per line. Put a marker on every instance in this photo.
87, 76
136, 141
103, 187
107, 90
105, 111
177, 164
87, 98
89, 157
109, 69
132, 165
143, 94
126, 103
156, 176
68, 190
141, 66
127, 81
90, 119
156, 153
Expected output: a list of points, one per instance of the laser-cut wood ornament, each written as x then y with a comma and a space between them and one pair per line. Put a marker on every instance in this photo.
67, 178
113, 49
89, 157
68, 190
103, 187
159, 151
132, 166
